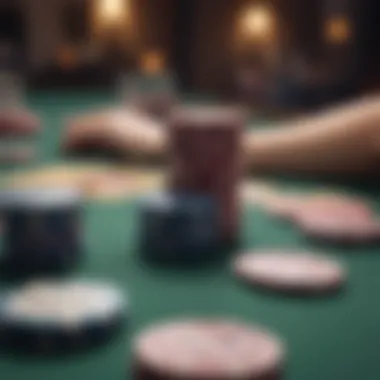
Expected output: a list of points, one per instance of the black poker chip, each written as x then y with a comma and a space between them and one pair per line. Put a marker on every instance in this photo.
178, 228
49, 318
42, 230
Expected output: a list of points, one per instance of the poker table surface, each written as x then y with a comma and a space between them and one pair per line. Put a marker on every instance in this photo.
329, 338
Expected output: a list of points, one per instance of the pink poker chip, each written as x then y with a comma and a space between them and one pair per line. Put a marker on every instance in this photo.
336, 219
207, 350
288, 271
18, 122
293, 208
350, 229
334, 205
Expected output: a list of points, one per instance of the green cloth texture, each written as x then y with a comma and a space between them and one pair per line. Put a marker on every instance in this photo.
328, 338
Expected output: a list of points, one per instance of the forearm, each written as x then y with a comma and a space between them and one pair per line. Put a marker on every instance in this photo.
339, 141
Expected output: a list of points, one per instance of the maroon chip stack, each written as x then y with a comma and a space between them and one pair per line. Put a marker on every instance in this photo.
206, 158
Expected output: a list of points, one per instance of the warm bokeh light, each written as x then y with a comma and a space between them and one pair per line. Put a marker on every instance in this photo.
112, 11
111, 16
257, 23
152, 62
338, 30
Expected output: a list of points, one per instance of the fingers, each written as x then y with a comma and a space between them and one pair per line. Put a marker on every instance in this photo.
123, 130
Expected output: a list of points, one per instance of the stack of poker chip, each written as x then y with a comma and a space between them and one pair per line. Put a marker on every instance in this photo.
50, 317
206, 158
41, 230
178, 227
17, 123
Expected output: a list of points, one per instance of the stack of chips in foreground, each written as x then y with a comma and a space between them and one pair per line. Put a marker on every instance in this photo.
43, 237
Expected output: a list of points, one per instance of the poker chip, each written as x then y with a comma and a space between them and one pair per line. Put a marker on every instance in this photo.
294, 272
208, 349
42, 230
334, 205
350, 230
178, 227
294, 207
18, 122
38, 199
117, 184
55, 177
337, 219
95, 182
52, 316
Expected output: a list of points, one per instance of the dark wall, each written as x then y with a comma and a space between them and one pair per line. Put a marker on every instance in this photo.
154, 21
210, 57
185, 19
370, 47
13, 35
214, 53
197, 36
205, 51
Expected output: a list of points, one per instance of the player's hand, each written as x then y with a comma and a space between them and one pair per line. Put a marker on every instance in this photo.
124, 131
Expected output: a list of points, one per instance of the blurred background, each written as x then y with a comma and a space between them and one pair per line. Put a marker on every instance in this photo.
292, 53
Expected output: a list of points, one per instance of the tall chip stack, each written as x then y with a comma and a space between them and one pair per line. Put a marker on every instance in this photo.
206, 158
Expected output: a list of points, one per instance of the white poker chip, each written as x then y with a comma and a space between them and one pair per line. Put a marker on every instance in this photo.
40, 198
64, 304
299, 272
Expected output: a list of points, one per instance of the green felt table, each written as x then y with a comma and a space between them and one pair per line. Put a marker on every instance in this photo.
333, 338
